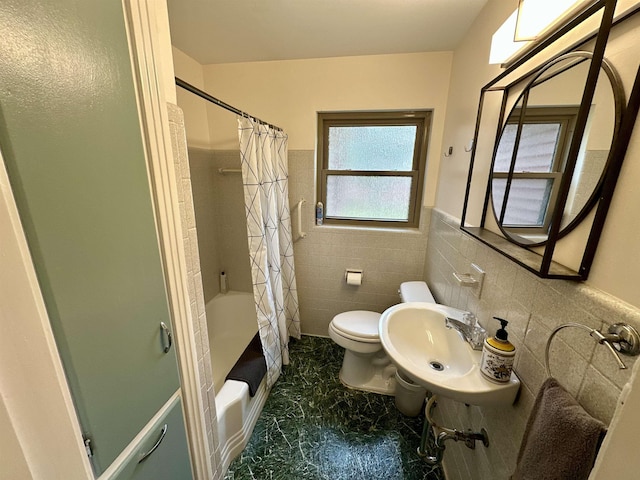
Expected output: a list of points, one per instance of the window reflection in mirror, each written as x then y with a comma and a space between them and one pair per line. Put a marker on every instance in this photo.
539, 129
544, 135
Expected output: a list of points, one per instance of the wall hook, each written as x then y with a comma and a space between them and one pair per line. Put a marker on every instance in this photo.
469, 146
449, 152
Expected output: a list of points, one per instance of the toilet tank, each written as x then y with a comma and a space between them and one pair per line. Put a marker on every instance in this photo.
415, 292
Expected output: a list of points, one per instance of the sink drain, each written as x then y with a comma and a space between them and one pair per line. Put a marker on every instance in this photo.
436, 366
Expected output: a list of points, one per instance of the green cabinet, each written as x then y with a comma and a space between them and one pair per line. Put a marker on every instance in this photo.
162, 452
71, 138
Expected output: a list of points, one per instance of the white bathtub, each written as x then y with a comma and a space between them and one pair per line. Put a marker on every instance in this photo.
231, 322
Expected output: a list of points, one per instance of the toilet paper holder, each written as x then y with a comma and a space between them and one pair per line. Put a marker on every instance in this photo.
351, 273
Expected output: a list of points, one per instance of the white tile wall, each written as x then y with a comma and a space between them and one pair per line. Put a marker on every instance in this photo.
534, 308
202, 174
196, 295
387, 258
220, 218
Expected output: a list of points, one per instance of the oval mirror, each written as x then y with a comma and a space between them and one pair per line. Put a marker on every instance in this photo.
529, 162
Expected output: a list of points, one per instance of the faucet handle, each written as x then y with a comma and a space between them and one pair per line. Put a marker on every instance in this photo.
478, 334
470, 319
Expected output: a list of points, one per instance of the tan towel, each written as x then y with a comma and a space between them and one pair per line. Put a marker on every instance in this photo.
561, 440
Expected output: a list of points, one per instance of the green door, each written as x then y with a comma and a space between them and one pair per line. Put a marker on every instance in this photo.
71, 138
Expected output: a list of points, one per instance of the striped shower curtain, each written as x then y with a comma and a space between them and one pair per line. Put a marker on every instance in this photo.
263, 152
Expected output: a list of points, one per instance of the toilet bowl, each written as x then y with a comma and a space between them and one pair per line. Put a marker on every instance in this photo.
366, 365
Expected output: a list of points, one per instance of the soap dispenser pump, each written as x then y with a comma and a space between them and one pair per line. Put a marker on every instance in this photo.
498, 355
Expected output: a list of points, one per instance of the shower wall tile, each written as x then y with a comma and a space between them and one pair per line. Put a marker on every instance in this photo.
534, 307
220, 219
231, 225
387, 257
194, 277
203, 174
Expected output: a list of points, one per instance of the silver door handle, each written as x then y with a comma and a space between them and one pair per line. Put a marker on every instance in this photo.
153, 449
167, 333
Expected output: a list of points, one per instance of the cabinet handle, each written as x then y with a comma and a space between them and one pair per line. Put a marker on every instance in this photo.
166, 331
153, 449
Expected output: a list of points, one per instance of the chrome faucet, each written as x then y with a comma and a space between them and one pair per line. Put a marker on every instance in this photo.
473, 334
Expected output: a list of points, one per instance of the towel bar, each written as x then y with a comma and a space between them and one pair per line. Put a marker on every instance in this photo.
624, 336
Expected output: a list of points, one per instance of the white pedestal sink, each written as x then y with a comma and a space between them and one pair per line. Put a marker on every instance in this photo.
418, 341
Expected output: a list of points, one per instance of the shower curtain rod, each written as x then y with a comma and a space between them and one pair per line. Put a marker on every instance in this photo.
220, 103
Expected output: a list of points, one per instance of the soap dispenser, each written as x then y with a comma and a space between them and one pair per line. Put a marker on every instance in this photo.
498, 355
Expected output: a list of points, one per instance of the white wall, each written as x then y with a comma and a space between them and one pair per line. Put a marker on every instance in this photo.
617, 258
159, 19
290, 93
11, 448
193, 107
470, 71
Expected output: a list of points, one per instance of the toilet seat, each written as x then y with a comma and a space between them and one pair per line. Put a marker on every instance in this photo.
357, 325
365, 365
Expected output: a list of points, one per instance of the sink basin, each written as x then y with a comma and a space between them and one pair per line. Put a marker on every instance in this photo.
419, 343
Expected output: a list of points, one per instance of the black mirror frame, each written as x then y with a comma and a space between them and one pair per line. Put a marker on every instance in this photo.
543, 265
619, 108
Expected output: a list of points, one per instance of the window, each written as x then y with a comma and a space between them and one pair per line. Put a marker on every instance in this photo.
371, 167
543, 145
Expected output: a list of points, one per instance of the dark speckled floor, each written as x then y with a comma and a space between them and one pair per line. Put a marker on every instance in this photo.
312, 427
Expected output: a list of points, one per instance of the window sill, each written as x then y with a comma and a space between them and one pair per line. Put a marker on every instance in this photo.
367, 229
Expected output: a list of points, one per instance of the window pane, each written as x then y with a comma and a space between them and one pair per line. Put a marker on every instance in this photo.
505, 148
537, 147
368, 198
528, 200
536, 151
372, 148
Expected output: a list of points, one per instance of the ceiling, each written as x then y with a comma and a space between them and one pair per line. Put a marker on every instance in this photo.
226, 31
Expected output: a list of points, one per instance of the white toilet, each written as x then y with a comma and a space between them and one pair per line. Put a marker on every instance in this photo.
366, 365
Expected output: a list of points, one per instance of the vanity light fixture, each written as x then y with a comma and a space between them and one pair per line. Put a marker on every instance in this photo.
537, 17
503, 45
530, 23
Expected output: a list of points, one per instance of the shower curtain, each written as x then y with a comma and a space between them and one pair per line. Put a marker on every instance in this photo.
263, 152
